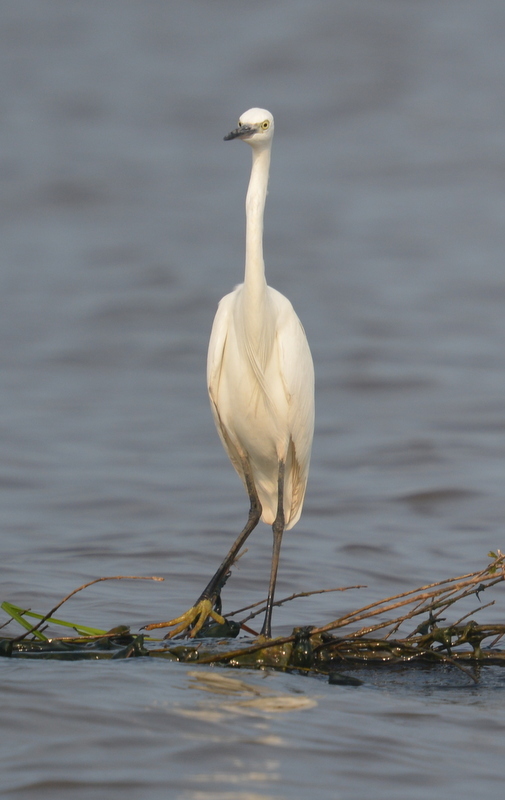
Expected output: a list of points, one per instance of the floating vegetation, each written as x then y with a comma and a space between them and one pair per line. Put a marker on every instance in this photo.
369, 636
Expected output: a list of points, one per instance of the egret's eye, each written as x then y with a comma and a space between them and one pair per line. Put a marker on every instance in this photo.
239, 124
265, 125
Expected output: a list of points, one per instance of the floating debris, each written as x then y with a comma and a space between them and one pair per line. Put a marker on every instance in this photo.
308, 650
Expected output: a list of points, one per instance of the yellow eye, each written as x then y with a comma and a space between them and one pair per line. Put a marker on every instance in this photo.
265, 125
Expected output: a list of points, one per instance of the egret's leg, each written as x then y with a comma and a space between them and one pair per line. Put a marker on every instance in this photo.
214, 585
204, 606
278, 530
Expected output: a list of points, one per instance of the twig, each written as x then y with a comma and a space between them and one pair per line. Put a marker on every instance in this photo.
496, 639
470, 613
419, 596
437, 597
262, 603
84, 586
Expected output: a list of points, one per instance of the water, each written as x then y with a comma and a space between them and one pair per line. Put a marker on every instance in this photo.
122, 226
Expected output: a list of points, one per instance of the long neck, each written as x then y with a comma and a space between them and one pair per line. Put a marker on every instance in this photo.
254, 281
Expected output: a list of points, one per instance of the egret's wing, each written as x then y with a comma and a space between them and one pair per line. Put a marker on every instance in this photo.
215, 356
217, 344
297, 371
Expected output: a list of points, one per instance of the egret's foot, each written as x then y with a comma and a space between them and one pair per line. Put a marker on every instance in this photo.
193, 619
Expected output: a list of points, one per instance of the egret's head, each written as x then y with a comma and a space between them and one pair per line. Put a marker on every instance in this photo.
256, 127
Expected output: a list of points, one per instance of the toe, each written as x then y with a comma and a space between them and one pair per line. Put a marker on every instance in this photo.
195, 617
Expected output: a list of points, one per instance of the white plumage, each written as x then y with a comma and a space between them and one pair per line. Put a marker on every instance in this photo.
260, 378
259, 370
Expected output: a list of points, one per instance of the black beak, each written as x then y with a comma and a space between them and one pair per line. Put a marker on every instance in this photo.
244, 130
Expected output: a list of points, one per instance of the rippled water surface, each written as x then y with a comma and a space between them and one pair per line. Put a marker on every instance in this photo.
122, 226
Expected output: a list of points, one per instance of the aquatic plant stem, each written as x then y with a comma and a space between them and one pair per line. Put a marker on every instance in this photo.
79, 589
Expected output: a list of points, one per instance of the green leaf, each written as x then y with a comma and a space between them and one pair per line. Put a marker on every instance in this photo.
18, 614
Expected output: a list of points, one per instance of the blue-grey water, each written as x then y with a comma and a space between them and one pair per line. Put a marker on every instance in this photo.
122, 224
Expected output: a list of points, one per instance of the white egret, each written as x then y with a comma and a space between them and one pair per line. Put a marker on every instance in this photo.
261, 385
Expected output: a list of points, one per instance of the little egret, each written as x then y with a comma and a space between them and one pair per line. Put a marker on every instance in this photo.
260, 378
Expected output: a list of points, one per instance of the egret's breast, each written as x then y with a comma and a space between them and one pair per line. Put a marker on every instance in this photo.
252, 406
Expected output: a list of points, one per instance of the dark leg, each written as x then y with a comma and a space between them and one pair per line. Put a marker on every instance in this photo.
278, 530
195, 617
214, 586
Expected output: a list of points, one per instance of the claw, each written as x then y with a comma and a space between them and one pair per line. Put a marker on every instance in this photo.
195, 616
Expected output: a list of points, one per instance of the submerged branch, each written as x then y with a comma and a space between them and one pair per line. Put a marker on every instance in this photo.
316, 649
